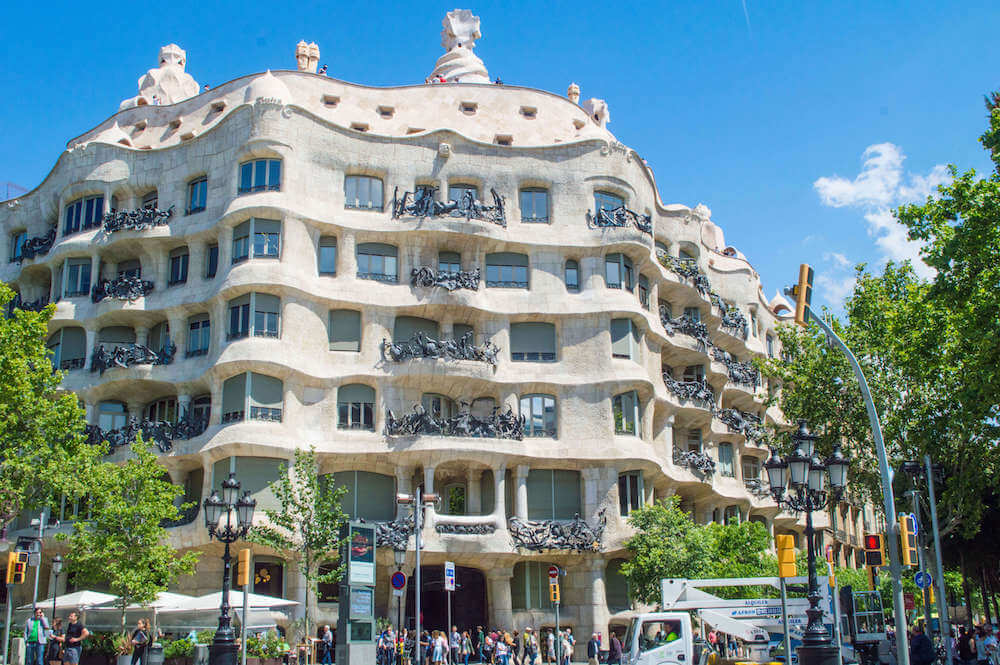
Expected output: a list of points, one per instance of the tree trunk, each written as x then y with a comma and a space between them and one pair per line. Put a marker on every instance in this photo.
308, 635
986, 597
966, 592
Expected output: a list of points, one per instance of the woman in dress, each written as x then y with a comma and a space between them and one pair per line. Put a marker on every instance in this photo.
140, 640
437, 655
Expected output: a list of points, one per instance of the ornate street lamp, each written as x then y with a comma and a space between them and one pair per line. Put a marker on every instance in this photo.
418, 501
227, 518
799, 483
57, 566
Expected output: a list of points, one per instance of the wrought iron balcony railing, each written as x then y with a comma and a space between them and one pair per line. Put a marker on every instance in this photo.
160, 432
139, 219
695, 460
499, 425
687, 326
740, 373
742, 422
452, 281
379, 277
687, 269
423, 203
186, 516
620, 217
733, 320
575, 535
126, 287
37, 246
697, 390
422, 346
127, 355
29, 306
756, 487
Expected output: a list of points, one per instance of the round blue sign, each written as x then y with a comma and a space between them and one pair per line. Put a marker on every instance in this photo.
923, 580
398, 580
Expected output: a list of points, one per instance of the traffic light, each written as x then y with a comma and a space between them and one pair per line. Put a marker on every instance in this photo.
875, 550
17, 567
786, 555
244, 569
554, 593
803, 292
872, 577
908, 539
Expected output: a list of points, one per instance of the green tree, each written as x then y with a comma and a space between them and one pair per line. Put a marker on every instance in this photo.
668, 543
122, 543
307, 523
43, 452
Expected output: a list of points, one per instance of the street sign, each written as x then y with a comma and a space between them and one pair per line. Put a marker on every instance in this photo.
923, 580
909, 602
916, 525
398, 580
553, 575
449, 575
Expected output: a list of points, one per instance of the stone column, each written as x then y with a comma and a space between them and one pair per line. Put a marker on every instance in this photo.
226, 248
90, 336
183, 405
141, 335
473, 492
178, 334
428, 489
196, 260
216, 392
500, 493
347, 259
521, 491
594, 605
501, 612
218, 327
135, 410
95, 271
404, 485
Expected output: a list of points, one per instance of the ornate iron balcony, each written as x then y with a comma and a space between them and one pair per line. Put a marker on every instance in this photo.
37, 246
233, 417
139, 219
741, 422
379, 277
695, 460
395, 534
756, 487
694, 390
30, 306
162, 433
575, 535
740, 373
451, 529
72, 363
126, 355
687, 326
423, 203
265, 413
732, 318
187, 515
687, 269
620, 217
422, 346
499, 425
126, 287
452, 281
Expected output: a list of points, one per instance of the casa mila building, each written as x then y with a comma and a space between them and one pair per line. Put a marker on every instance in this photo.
463, 286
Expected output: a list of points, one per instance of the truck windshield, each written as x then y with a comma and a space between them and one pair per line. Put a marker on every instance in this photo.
657, 633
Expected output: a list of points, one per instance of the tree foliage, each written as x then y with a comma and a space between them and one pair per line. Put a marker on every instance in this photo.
122, 543
669, 544
307, 523
43, 453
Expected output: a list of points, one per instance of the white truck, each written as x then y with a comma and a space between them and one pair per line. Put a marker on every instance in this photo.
660, 638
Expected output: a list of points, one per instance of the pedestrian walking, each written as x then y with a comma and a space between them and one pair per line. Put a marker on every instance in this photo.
327, 646
615, 653
530, 646
454, 644
593, 650
466, 648
567, 649
140, 640
76, 633
53, 650
36, 630
550, 647
966, 647
502, 652
921, 649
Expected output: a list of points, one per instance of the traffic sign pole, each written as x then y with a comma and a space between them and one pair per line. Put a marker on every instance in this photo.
922, 561
554, 594
942, 600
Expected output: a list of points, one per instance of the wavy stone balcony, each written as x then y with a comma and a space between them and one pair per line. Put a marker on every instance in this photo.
451, 281
423, 203
498, 425
127, 288
139, 219
127, 355
620, 217
422, 346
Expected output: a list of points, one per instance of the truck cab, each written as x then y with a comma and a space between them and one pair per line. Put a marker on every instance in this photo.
660, 638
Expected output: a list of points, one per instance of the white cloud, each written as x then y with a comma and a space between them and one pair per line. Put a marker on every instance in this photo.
837, 259
879, 186
836, 288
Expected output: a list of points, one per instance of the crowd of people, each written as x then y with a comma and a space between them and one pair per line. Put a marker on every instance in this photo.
491, 646
978, 646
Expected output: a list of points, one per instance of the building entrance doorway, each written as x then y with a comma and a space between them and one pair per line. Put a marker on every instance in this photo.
468, 601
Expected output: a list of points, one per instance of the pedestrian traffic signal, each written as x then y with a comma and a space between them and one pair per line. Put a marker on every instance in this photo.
554, 593
243, 568
786, 555
872, 577
875, 550
803, 292
908, 539
17, 567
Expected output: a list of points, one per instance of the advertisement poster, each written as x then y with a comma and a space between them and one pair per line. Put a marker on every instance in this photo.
361, 555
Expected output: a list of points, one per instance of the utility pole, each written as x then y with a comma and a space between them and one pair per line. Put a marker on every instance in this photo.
942, 598
922, 558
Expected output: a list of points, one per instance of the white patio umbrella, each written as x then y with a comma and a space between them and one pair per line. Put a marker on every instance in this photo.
81, 600
212, 601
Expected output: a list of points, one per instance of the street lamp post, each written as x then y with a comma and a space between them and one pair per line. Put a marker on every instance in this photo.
221, 526
805, 475
418, 500
57, 565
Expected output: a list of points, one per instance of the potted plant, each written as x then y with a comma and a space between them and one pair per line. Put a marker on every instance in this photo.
178, 652
123, 648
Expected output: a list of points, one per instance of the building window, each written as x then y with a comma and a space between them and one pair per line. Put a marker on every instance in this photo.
405, 327
533, 341
151, 200
607, 201
618, 272
630, 492
84, 213
362, 192
259, 394
624, 339
440, 407
69, 347
369, 496
211, 261
458, 190
644, 291
260, 175
163, 410
77, 273
686, 255
449, 263
345, 330
201, 408
529, 586
262, 236
129, 268
750, 467
666, 310
553, 494
616, 587
572, 276
694, 440
726, 467
692, 313
328, 592
753, 324
377, 261
625, 408
197, 195
111, 415
328, 255
17, 240
159, 336
731, 515
694, 373
539, 413
535, 205
770, 346
178, 266
507, 270
356, 407
660, 248
199, 335
266, 310
116, 335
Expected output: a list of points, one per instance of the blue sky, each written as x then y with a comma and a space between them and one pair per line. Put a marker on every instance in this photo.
765, 112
